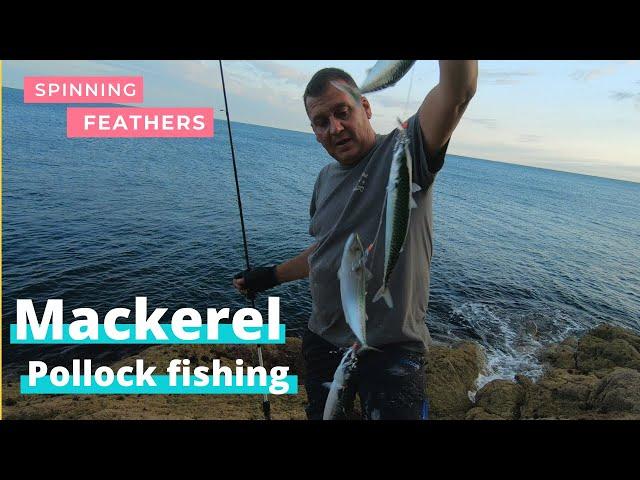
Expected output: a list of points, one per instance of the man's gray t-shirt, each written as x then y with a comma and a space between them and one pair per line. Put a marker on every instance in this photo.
350, 199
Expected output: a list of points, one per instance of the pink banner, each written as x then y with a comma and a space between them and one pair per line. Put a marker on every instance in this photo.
139, 122
83, 89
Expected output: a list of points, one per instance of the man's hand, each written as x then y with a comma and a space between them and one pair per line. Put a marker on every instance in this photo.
250, 282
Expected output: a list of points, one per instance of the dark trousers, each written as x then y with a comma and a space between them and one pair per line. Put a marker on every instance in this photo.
391, 384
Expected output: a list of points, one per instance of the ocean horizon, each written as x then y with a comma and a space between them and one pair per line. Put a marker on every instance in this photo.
456, 155
224, 120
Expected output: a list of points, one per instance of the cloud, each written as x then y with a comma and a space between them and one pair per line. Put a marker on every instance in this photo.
529, 138
547, 156
506, 81
61, 67
504, 78
201, 73
195, 71
622, 95
592, 74
277, 71
129, 67
487, 122
388, 101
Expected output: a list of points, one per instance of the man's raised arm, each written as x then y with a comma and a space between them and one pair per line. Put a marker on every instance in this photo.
444, 105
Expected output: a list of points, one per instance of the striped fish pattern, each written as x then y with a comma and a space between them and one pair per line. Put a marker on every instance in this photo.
400, 188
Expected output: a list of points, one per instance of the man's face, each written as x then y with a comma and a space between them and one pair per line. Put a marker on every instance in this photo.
340, 125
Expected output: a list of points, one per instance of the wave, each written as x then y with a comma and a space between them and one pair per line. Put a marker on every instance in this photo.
512, 341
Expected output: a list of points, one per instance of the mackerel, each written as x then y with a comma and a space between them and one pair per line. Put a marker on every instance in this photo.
400, 188
342, 391
353, 276
385, 73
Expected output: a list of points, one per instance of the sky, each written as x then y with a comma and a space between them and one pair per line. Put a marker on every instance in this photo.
576, 116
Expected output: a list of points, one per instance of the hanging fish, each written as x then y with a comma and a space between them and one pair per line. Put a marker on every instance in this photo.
400, 188
385, 73
353, 276
342, 391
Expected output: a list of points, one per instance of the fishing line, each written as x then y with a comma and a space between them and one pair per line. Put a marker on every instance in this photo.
406, 105
266, 406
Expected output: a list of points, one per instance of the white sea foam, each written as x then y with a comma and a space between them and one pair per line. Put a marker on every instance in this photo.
512, 342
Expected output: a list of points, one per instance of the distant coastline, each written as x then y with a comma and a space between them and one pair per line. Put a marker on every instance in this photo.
634, 182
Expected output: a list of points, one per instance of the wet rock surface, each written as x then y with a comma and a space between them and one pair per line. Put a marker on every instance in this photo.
593, 377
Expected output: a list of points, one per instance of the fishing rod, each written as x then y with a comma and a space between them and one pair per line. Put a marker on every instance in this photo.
266, 406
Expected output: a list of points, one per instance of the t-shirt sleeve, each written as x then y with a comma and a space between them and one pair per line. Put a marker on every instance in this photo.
312, 207
425, 167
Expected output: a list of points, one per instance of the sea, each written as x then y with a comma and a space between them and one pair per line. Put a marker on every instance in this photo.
523, 257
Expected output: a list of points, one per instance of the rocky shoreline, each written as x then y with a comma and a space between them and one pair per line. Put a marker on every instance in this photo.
596, 376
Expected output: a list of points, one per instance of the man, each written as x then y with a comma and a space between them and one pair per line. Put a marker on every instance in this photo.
349, 197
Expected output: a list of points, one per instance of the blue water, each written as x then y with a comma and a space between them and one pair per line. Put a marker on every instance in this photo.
523, 256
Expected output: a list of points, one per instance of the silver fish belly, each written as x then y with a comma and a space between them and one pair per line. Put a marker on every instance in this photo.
400, 188
342, 392
353, 277
385, 73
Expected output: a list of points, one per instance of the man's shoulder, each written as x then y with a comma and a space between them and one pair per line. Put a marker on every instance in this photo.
324, 171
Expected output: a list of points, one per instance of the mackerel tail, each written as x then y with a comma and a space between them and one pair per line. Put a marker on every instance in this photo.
384, 292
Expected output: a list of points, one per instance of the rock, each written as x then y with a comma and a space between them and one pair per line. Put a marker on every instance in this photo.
451, 374
606, 347
611, 332
561, 355
479, 413
524, 381
558, 394
588, 387
502, 398
619, 391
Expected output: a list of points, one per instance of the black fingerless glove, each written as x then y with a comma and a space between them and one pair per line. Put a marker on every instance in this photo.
258, 279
